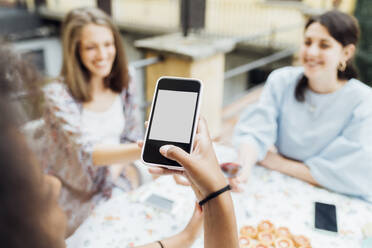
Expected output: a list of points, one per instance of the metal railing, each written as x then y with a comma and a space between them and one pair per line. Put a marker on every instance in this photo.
259, 63
138, 64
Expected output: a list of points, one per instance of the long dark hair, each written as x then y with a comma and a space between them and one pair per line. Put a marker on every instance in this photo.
343, 28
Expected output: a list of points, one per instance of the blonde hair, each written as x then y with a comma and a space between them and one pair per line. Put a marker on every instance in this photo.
76, 76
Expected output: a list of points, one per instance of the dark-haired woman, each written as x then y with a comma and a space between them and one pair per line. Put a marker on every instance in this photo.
318, 116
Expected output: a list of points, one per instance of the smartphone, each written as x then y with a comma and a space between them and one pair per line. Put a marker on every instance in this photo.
325, 217
173, 119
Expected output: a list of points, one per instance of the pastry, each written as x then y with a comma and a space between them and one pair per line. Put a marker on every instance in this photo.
248, 231
261, 245
301, 241
266, 238
245, 242
283, 232
283, 242
266, 225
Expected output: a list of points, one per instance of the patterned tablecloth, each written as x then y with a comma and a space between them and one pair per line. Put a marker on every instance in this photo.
125, 221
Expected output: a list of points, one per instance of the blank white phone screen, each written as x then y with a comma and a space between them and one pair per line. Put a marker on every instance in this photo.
173, 116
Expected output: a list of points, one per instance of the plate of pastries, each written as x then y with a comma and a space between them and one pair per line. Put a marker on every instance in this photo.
266, 235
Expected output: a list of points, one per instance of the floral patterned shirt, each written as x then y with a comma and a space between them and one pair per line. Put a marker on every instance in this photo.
67, 152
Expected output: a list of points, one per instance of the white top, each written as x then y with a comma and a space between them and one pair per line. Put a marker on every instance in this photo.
104, 127
330, 133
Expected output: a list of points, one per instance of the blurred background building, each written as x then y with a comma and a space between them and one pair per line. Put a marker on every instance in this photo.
263, 35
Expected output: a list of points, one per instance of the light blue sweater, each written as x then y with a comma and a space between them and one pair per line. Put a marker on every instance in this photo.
330, 133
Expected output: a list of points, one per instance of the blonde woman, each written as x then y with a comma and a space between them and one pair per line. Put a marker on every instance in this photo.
91, 116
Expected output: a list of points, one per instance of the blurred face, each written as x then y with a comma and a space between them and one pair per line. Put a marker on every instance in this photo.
54, 221
97, 49
320, 53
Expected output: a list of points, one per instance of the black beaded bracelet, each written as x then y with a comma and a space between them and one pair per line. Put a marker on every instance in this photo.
160, 243
214, 194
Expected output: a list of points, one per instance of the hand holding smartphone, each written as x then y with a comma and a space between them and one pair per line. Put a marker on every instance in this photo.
173, 119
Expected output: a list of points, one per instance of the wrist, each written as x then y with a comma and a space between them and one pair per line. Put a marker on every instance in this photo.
188, 236
269, 161
277, 161
160, 243
216, 185
215, 195
223, 201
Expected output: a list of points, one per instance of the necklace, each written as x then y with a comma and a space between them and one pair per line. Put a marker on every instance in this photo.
310, 106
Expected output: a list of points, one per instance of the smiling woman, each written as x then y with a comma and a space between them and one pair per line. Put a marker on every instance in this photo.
91, 116
97, 50
326, 53
318, 116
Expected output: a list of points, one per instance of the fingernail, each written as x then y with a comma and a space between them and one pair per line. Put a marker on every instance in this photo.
163, 150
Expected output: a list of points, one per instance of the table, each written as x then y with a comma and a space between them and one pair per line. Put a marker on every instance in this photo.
124, 221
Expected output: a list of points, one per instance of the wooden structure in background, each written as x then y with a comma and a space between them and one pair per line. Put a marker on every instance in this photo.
194, 57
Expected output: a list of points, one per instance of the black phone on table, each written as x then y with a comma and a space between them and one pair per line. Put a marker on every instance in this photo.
325, 217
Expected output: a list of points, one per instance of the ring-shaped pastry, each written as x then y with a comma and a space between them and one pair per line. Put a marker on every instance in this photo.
248, 231
266, 226
283, 232
301, 241
245, 242
261, 245
283, 242
266, 238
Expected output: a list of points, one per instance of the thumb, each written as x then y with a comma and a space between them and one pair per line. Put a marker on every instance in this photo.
177, 154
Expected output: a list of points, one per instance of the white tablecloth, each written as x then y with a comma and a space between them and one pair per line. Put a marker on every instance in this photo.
124, 221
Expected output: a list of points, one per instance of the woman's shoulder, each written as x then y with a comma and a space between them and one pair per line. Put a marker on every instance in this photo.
288, 74
362, 94
359, 89
58, 93
131, 89
55, 86
284, 78
289, 71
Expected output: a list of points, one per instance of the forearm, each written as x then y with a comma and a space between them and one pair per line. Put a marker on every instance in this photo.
290, 167
219, 223
181, 240
297, 169
247, 157
112, 154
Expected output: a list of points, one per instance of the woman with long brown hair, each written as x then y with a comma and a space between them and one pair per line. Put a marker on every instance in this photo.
91, 115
